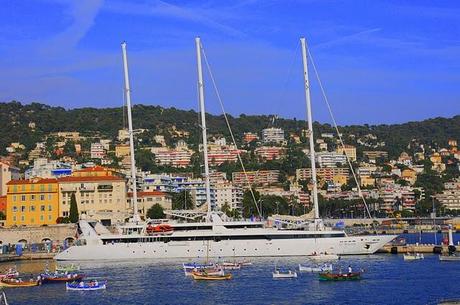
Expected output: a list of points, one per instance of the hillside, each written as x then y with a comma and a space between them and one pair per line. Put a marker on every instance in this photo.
15, 118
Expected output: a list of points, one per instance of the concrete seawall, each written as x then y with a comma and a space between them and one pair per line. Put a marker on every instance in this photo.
35, 235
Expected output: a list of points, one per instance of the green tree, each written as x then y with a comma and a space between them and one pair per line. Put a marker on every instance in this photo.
2, 216
73, 215
156, 211
249, 208
182, 201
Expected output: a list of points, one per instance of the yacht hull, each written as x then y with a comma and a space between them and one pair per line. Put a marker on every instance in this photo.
196, 249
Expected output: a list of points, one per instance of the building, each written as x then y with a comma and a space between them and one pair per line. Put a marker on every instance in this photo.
228, 194
122, 150
373, 155
248, 137
450, 197
97, 151
405, 159
330, 159
270, 152
220, 154
172, 157
409, 175
100, 195
7, 173
68, 135
396, 198
273, 135
260, 178
145, 200
32, 202
43, 168
324, 173
348, 150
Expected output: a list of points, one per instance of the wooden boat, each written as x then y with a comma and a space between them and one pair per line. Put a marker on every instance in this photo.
67, 268
323, 268
324, 257
327, 276
208, 277
17, 283
61, 277
10, 273
413, 256
86, 285
277, 274
449, 258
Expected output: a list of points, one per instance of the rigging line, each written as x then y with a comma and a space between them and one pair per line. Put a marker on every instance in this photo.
323, 92
288, 78
230, 129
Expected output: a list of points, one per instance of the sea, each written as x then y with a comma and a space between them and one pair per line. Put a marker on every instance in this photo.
387, 279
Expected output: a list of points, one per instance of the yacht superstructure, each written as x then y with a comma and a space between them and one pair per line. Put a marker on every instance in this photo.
215, 237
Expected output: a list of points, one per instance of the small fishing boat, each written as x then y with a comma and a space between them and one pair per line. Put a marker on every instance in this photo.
323, 268
324, 257
230, 266
277, 274
413, 256
328, 276
86, 285
191, 267
10, 273
449, 258
61, 277
197, 275
17, 283
67, 268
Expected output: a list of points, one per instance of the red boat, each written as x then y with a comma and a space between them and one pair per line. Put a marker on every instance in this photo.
62, 278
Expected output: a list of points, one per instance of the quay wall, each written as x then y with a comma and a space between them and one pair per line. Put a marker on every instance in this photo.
35, 235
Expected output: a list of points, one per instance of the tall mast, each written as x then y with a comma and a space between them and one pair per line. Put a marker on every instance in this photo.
203, 124
130, 131
310, 129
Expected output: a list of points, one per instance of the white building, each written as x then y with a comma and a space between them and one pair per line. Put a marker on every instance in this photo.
330, 159
273, 135
97, 151
227, 193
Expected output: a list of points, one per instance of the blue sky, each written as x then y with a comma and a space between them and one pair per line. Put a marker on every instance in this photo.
380, 61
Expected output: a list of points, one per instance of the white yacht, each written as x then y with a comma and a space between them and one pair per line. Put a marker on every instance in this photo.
215, 237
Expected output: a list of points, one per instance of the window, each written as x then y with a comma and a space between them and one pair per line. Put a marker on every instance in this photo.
32, 208
32, 187
23, 198
15, 209
23, 208
49, 217
22, 218
42, 187
32, 197
50, 208
14, 218
42, 217
23, 188
14, 198
50, 196
42, 208
42, 197
50, 187
15, 188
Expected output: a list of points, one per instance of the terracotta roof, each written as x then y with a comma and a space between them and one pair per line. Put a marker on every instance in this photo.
90, 179
32, 181
147, 194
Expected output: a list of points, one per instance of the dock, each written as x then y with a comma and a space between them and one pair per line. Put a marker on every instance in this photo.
419, 248
26, 256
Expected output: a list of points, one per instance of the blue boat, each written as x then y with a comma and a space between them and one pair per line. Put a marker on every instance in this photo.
86, 285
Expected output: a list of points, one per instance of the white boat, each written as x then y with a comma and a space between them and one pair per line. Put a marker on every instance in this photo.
245, 262
449, 258
277, 274
86, 285
192, 267
215, 237
323, 268
230, 266
413, 256
324, 257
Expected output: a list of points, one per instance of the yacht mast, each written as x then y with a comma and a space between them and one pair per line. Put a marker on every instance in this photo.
310, 129
130, 132
203, 124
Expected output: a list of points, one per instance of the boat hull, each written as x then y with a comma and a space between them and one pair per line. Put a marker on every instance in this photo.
196, 249
339, 277
19, 284
210, 277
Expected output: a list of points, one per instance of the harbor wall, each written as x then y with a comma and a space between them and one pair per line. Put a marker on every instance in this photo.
56, 234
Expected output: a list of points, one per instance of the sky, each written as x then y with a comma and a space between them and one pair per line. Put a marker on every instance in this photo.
380, 62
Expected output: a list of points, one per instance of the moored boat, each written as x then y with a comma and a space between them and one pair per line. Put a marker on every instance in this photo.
328, 276
189, 268
277, 274
10, 273
17, 283
230, 266
413, 256
61, 277
210, 277
323, 268
87, 285
449, 258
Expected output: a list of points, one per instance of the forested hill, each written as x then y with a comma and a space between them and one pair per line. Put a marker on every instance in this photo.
15, 118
